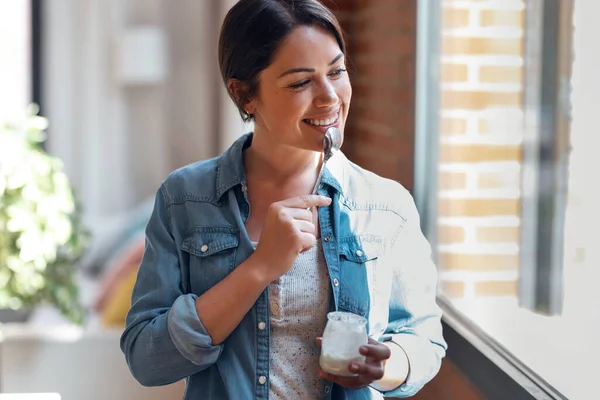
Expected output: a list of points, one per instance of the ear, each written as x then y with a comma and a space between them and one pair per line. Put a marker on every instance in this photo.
239, 92
251, 107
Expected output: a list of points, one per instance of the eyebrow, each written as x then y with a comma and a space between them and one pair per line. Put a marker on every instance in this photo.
296, 70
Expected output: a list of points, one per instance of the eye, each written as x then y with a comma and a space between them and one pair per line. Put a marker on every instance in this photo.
300, 85
338, 72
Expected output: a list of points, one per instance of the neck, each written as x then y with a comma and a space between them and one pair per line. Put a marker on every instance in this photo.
281, 165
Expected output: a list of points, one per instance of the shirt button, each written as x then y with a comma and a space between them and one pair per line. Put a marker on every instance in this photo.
327, 389
262, 380
327, 238
336, 283
262, 326
204, 248
359, 253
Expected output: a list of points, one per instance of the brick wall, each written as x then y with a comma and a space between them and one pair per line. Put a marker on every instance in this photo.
380, 131
480, 153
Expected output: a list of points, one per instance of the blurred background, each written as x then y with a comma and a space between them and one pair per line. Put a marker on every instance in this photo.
485, 109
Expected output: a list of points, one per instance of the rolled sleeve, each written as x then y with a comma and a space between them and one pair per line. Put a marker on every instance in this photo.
164, 340
189, 335
424, 361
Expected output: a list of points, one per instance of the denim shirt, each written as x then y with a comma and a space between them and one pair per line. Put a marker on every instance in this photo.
379, 265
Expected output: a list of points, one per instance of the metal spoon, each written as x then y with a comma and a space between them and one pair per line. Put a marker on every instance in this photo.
331, 144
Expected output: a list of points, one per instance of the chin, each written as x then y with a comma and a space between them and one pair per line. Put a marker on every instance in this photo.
315, 142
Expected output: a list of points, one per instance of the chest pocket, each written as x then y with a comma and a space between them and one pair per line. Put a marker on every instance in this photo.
358, 272
211, 255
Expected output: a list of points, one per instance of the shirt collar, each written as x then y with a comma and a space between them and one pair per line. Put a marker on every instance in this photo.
230, 168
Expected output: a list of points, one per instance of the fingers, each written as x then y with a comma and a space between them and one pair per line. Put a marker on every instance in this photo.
370, 371
307, 201
367, 372
308, 240
305, 226
375, 350
300, 214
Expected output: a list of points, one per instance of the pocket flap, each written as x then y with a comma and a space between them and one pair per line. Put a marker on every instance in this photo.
360, 248
204, 242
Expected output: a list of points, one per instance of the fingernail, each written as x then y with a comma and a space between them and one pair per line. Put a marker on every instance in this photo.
363, 349
353, 367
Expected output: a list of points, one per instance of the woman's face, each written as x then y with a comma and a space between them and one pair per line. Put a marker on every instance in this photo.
304, 91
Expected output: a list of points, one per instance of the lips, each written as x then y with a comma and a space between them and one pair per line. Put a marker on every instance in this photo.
326, 120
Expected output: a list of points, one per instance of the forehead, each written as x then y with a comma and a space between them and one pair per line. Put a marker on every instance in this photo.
306, 46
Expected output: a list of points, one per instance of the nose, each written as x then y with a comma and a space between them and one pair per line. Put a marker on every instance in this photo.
326, 95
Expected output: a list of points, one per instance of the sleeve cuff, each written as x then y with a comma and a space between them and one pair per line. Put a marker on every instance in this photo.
189, 335
424, 363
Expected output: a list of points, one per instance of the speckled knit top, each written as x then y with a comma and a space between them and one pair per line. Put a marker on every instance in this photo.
299, 302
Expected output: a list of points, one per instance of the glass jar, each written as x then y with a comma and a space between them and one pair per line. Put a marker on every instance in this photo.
344, 334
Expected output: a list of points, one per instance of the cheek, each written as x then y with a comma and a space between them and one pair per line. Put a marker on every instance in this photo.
344, 90
289, 107
275, 107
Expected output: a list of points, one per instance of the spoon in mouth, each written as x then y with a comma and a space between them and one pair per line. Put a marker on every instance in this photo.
331, 144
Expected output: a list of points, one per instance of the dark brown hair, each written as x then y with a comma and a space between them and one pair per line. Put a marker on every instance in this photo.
252, 32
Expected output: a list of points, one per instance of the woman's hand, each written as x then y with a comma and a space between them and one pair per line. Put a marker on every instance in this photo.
368, 372
288, 230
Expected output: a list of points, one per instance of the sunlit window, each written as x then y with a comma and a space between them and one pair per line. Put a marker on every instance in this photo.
517, 104
14, 57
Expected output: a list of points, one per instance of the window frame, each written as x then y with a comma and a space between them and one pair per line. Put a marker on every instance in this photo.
545, 160
496, 372
36, 28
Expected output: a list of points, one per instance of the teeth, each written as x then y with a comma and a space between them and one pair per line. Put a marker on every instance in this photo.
322, 122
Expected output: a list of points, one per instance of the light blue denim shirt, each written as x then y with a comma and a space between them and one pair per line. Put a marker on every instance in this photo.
379, 266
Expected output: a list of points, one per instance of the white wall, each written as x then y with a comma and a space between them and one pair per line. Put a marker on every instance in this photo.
583, 214
14, 58
89, 367
126, 108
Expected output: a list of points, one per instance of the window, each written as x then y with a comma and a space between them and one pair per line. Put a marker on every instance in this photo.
15, 71
505, 183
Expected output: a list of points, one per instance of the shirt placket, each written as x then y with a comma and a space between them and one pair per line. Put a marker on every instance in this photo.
263, 325
328, 221
262, 341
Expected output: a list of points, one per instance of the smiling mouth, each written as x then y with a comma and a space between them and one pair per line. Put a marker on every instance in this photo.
324, 121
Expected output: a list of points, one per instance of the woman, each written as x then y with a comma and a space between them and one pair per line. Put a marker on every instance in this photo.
242, 265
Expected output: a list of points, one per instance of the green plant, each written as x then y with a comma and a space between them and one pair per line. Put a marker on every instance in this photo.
42, 237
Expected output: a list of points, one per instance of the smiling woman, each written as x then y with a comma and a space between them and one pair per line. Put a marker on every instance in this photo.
296, 105
242, 265
302, 91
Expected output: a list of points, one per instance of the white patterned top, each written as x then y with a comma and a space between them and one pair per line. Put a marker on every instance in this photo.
299, 302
